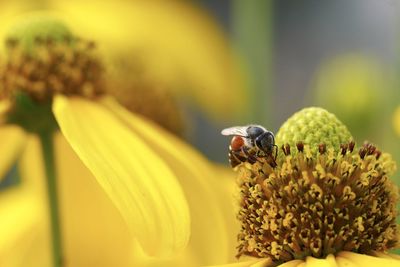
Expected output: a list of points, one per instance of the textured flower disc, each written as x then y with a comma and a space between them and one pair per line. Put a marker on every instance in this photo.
321, 195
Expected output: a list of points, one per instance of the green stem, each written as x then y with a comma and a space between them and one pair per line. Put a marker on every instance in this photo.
46, 139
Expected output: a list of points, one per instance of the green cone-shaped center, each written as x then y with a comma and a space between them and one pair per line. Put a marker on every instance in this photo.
313, 126
33, 28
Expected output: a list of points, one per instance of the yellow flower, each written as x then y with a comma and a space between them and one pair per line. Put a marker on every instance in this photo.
49, 73
175, 43
321, 202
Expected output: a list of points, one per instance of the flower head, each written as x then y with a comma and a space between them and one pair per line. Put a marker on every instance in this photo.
322, 196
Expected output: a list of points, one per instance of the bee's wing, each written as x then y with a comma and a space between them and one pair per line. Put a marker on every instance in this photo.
237, 130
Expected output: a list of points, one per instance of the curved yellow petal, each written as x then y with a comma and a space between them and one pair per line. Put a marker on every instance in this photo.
138, 182
24, 229
212, 240
175, 43
12, 141
94, 232
202, 186
366, 260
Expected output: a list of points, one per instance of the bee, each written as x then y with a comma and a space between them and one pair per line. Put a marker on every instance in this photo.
248, 143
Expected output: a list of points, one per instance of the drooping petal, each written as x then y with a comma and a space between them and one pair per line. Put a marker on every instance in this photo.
202, 186
24, 227
138, 182
12, 141
93, 231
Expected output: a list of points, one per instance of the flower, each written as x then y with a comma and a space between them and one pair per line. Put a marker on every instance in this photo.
52, 79
189, 55
320, 202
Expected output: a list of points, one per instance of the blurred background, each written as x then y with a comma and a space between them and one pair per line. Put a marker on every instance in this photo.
340, 55
240, 62
196, 67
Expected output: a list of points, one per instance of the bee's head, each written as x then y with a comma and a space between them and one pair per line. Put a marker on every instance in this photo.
265, 141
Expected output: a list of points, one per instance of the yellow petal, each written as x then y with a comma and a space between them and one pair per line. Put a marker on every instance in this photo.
12, 141
24, 228
139, 183
343, 262
293, 263
328, 262
202, 185
94, 232
366, 260
190, 55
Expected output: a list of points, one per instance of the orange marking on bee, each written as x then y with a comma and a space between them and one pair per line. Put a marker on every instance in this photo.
237, 143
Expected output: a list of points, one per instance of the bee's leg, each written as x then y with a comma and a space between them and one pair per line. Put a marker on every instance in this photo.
272, 159
236, 157
250, 157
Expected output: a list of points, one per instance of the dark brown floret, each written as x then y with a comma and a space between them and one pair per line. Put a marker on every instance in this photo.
322, 148
318, 205
286, 149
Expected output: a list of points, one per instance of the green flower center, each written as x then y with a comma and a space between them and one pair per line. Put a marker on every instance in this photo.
313, 126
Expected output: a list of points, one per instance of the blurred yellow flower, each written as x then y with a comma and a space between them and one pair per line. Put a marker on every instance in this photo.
176, 43
58, 74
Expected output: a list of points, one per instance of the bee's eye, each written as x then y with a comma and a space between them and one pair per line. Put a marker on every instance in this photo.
254, 131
